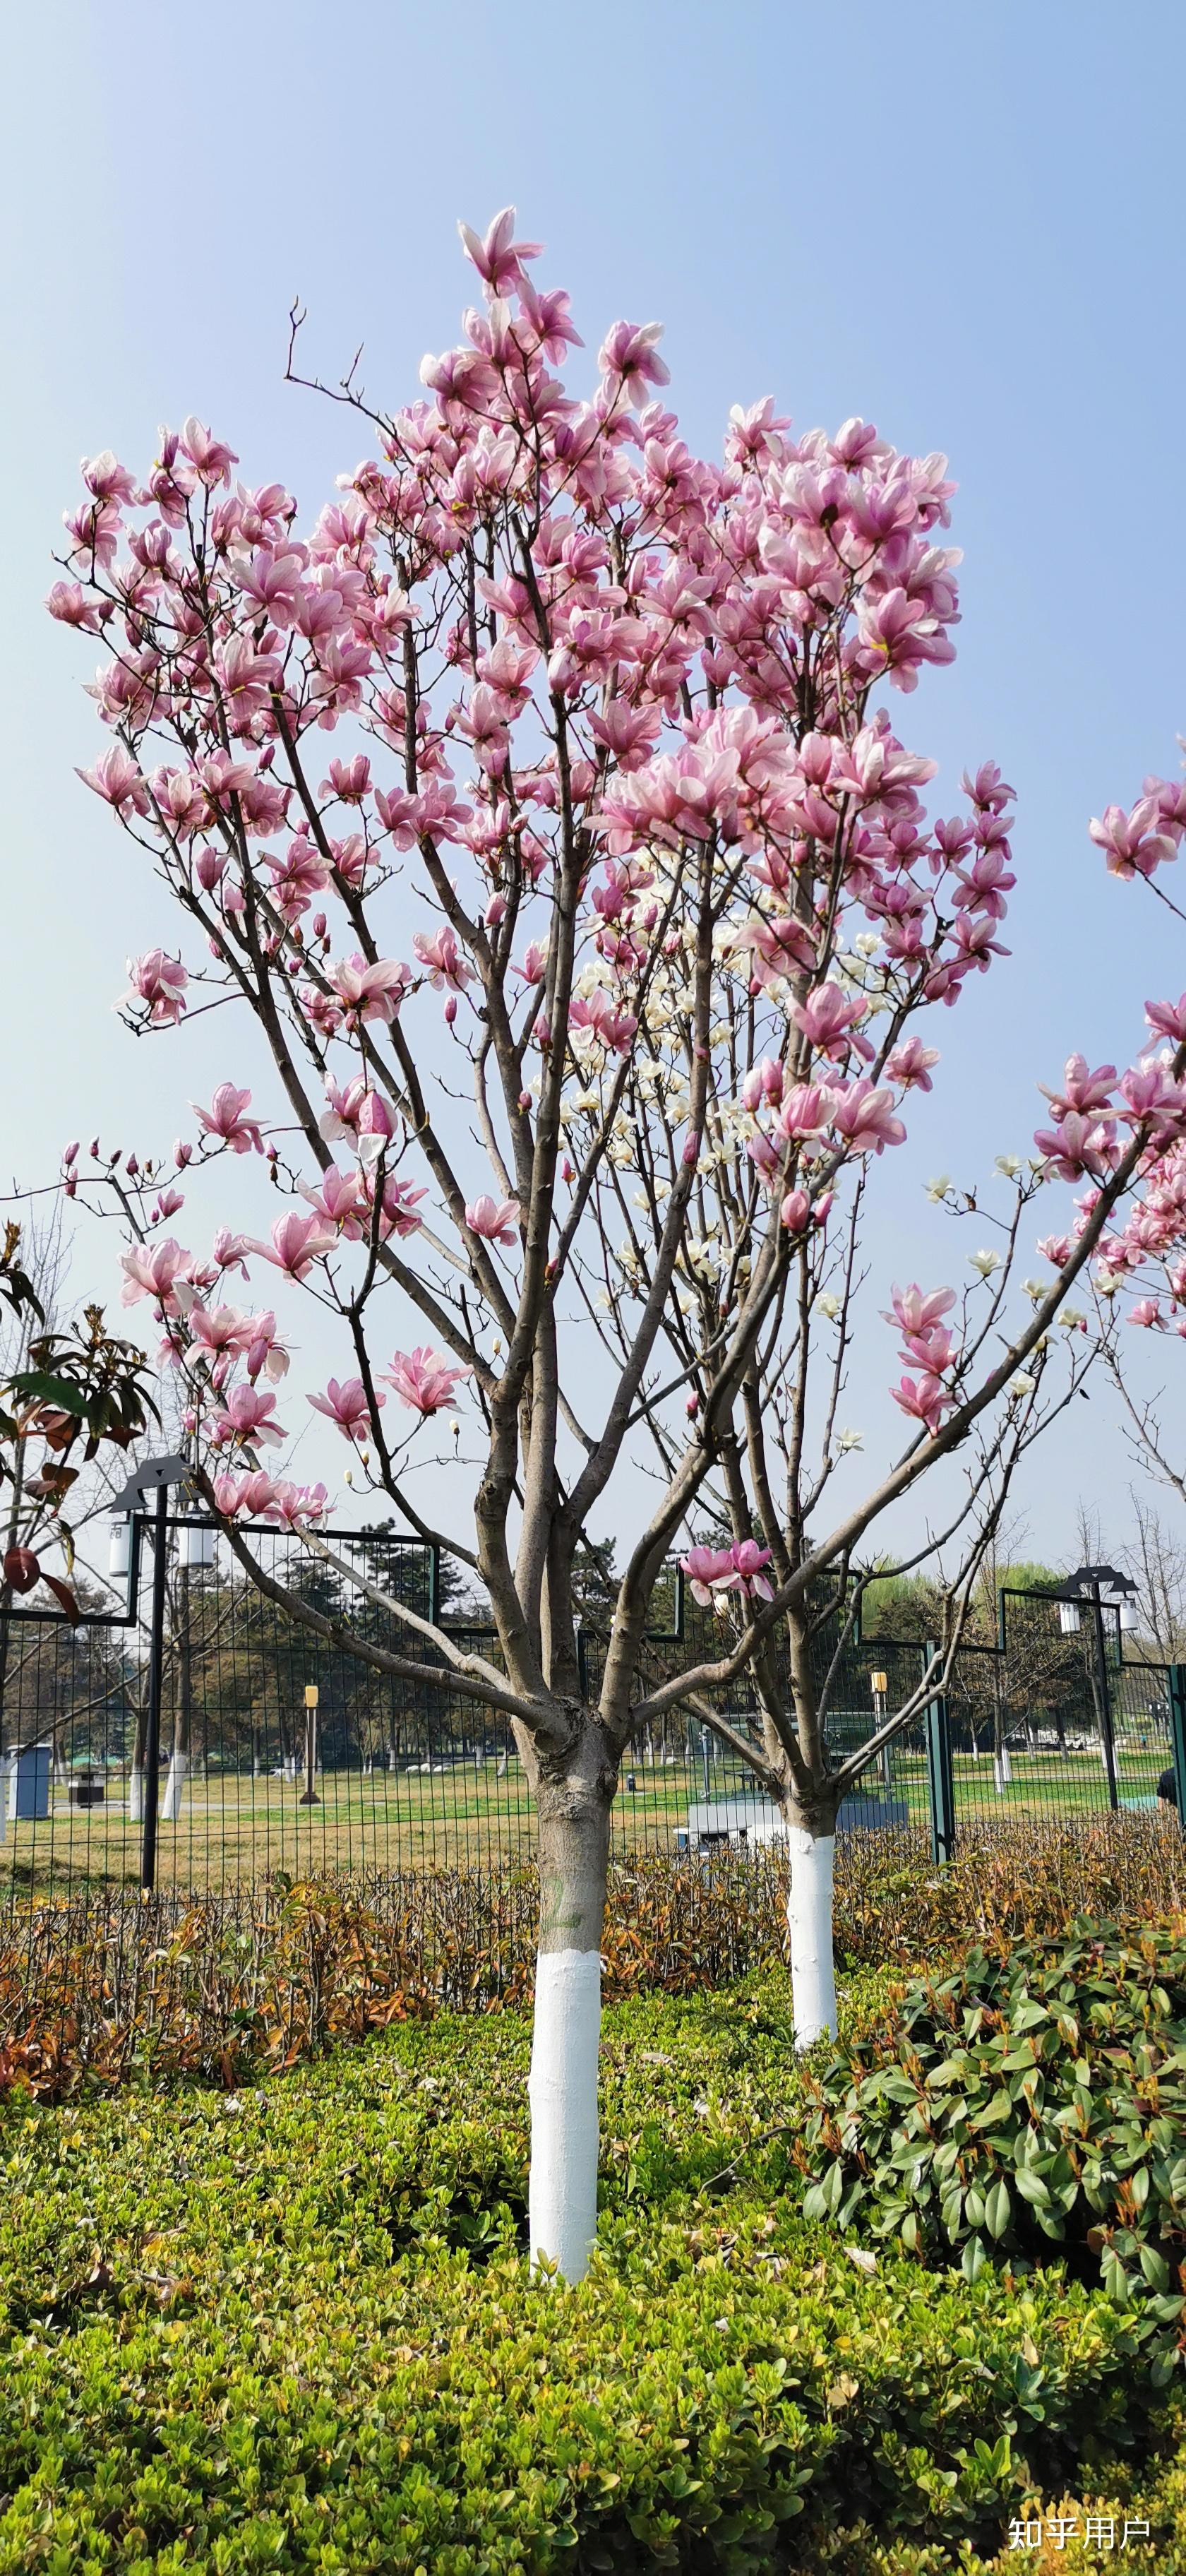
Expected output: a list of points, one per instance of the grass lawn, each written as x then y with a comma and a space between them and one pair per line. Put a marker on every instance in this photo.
234, 1828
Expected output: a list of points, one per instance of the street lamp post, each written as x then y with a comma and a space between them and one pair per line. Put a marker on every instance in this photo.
155, 1476
1096, 1588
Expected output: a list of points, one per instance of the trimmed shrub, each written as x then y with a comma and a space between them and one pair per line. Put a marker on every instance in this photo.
1031, 2102
263, 1976
292, 2328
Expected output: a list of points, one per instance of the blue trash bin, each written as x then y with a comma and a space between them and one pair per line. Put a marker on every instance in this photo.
28, 1783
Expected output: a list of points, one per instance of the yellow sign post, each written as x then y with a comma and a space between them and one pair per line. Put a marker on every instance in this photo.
309, 1797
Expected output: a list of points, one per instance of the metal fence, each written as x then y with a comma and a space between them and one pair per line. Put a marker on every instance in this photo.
250, 1781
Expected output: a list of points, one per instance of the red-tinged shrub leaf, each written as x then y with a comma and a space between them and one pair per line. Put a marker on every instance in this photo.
63, 1593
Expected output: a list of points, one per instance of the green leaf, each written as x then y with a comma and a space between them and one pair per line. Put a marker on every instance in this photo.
998, 2208
37, 1386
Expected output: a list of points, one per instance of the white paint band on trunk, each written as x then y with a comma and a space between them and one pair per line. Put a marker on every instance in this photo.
175, 1787
136, 1795
809, 1922
562, 2203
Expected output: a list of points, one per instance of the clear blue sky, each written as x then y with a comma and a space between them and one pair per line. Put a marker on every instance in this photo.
963, 224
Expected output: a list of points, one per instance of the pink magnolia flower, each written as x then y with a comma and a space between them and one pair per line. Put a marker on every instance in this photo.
762, 1084
400, 1211
795, 1212
601, 1017
1077, 1145
496, 255
917, 1310
1082, 1089
341, 1201
347, 1405
248, 1497
211, 458
440, 953
116, 778
828, 1019
219, 1329
1168, 1019
748, 1578
495, 1219
295, 1505
708, 1570
1147, 1312
1056, 1248
248, 1415
228, 1250
68, 602
264, 1352
1137, 843
864, 1118
297, 1242
159, 981
424, 1379
806, 1111
629, 355
910, 1064
924, 1399
369, 992
225, 1119
151, 1270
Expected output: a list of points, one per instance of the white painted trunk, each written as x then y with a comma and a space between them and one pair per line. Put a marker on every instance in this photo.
562, 2208
1002, 1770
175, 1788
135, 1795
1103, 1757
809, 1922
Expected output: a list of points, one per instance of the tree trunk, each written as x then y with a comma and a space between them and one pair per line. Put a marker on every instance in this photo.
809, 1924
136, 1775
574, 1815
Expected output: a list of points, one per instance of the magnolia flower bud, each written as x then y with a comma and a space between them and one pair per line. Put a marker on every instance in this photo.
71, 1154
182, 1153
450, 1010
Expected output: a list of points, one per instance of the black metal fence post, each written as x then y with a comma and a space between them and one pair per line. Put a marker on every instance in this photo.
940, 1784
156, 1651
1104, 1697
1177, 1699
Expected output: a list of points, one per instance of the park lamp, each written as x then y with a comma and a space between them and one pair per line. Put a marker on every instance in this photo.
1101, 1586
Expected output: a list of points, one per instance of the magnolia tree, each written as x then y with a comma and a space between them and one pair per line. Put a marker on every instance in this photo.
1139, 1275
545, 771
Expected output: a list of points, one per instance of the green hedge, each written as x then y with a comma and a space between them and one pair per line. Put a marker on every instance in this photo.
293, 2329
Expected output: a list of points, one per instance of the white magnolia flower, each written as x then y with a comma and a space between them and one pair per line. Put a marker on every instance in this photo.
850, 1439
1071, 1318
867, 943
1023, 1383
1009, 1164
1035, 1289
938, 1188
985, 1263
827, 1304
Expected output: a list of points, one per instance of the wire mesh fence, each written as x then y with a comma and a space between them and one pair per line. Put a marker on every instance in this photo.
381, 1774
